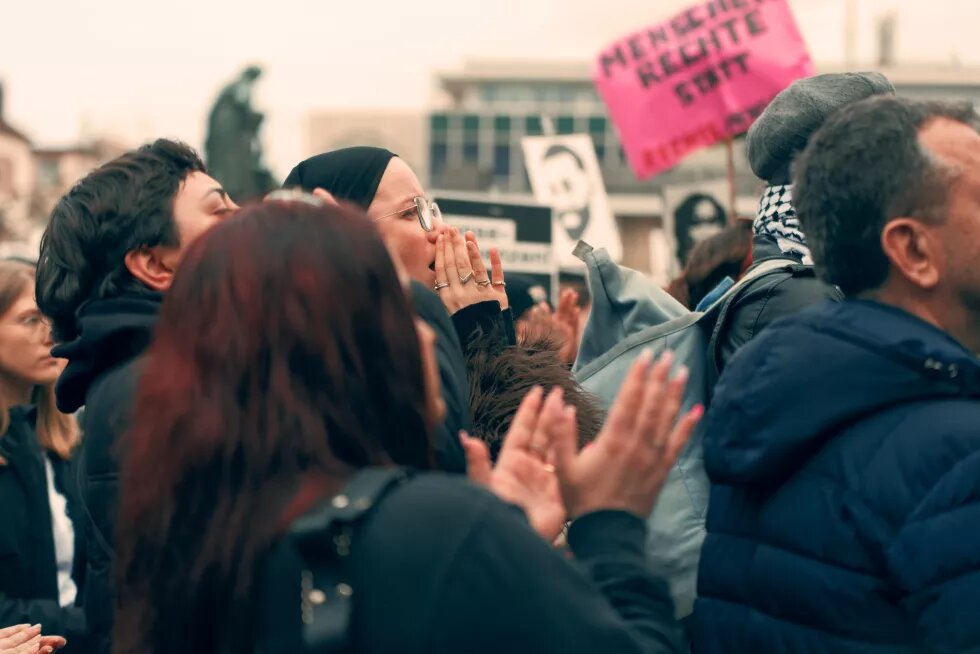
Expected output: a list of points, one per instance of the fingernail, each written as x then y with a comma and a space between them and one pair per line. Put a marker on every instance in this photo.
697, 412
682, 374
463, 436
667, 357
645, 356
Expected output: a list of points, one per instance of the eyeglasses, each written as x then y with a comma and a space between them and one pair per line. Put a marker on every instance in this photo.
427, 211
37, 325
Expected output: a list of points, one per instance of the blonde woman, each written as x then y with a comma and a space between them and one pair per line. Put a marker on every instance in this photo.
41, 549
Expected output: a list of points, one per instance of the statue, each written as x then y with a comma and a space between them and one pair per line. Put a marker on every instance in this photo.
232, 150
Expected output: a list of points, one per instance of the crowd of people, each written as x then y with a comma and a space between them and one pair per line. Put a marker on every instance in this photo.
323, 422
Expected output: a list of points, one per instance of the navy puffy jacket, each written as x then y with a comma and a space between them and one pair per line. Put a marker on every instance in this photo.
843, 447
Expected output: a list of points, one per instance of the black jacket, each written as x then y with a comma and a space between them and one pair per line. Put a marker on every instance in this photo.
441, 566
769, 298
28, 568
102, 375
452, 375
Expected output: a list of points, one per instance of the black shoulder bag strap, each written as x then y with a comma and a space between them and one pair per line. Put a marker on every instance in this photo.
723, 307
322, 538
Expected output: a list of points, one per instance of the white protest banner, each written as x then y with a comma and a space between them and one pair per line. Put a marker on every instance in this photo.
565, 175
692, 213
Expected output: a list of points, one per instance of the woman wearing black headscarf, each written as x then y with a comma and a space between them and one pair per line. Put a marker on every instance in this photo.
433, 254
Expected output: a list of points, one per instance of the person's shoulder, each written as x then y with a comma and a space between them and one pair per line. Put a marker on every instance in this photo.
433, 517
437, 497
781, 294
108, 409
115, 388
939, 431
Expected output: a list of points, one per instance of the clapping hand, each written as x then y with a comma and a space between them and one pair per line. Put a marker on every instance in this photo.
562, 324
627, 464
524, 475
27, 639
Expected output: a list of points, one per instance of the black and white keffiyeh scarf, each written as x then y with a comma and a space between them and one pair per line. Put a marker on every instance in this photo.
776, 221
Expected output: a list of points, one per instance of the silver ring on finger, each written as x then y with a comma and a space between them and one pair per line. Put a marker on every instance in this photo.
500, 284
483, 282
467, 277
440, 285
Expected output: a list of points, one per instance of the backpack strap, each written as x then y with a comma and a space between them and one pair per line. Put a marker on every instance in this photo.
726, 302
323, 538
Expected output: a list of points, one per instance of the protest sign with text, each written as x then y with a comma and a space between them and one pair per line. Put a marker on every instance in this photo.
700, 77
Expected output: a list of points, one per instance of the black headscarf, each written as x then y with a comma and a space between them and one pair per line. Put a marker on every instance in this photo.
350, 174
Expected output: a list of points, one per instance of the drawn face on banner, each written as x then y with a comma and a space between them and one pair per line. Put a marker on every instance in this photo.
695, 219
570, 189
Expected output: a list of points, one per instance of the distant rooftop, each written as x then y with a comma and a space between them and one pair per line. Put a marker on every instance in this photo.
578, 71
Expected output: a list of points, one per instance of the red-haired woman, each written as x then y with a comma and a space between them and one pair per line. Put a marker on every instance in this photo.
287, 368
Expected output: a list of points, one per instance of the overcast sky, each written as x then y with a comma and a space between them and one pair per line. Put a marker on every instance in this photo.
141, 69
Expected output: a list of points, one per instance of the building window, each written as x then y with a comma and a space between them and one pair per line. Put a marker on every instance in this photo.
438, 153
501, 124
471, 123
565, 125
501, 162
532, 125
589, 96
49, 175
439, 123
597, 127
549, 94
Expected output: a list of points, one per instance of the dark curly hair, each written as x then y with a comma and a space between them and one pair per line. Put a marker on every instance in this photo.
119, 207
862, 168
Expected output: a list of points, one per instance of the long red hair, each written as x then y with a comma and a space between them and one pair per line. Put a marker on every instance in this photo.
285, 351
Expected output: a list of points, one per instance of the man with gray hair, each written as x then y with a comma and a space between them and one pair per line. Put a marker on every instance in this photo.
843, 443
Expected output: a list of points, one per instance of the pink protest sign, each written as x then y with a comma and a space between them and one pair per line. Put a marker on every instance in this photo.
700, 77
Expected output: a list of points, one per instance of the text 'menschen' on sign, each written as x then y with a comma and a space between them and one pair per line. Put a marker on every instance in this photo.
521, 232
698, 78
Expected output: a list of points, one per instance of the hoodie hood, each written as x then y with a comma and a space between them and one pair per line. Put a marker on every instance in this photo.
808, 376
110, 332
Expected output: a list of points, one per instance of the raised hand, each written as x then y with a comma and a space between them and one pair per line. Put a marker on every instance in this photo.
27, 639
461, 275
625, 467
524, 474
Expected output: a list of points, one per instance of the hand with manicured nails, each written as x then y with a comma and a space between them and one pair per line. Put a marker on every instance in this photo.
561, 325
524, 474
462, 278
627, 464
27, 639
